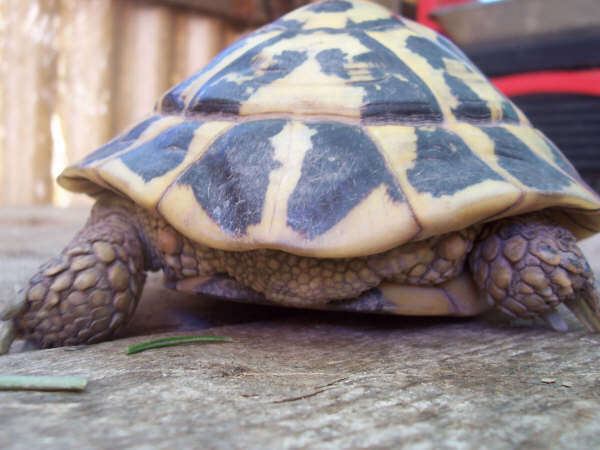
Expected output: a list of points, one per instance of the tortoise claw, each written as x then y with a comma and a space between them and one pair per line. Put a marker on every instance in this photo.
7, 335
12, 308
555, 321
586, 307
8, 312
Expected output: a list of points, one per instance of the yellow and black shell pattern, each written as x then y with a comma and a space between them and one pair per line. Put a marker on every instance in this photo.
338, 130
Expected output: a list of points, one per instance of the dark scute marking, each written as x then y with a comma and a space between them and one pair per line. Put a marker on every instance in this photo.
120, 142
454, 50
285, 24
509, 113
230, 180
517, 158
174, 101
331, 6
332, 62
445, 164
560, 159
219, 95
405, 98
388, 23
434, 54
340, 169
163, 153
137, 130
366, 25
471, 107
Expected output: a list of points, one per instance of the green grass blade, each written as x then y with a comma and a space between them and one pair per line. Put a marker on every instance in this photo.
171, 341
41, 383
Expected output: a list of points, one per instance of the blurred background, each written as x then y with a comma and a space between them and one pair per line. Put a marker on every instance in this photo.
74, 73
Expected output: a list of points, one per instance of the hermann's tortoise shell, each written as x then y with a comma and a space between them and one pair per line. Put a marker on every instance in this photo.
339, 130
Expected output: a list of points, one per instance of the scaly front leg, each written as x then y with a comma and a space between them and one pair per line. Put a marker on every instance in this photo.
89, 291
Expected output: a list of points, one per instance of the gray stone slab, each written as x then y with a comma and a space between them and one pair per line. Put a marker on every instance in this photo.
297, 379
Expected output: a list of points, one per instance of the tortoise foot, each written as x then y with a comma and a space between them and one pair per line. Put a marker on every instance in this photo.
528, 266
87, 293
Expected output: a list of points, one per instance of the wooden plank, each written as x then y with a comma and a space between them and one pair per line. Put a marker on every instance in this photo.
198, 39
85, 100
234, 32
249, 12
253, 12
28, 78
144, 59
3, 39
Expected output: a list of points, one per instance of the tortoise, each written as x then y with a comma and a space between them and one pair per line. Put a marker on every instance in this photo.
341, 157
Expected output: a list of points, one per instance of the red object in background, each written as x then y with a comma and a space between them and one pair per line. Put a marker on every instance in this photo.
585, 82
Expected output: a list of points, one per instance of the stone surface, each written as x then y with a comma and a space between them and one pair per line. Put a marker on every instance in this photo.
296, 379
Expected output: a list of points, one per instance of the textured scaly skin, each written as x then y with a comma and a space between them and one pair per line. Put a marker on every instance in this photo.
87, 293
528, 265
91, 289
302, 281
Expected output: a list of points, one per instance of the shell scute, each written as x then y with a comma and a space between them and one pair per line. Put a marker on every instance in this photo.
342, 166
162, 154
395, 80
524, 164
175, 100
559, 159
439, 153
119, 143
235, 84
230, 179
329, 7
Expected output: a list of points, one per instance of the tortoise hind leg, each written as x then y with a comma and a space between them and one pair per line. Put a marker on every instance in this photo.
88, 292
528, 266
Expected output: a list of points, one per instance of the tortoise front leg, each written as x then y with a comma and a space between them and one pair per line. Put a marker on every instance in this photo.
528, 266
89, 291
